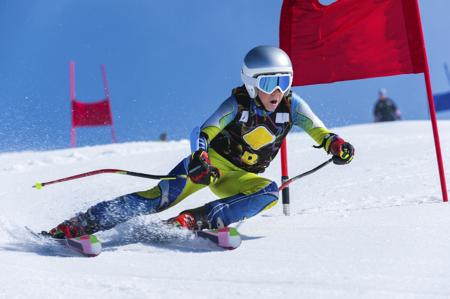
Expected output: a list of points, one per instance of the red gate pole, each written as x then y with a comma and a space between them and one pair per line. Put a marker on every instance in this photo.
284, 178
72, 98
437, 143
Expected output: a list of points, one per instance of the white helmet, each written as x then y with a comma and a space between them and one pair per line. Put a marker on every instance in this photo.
264, 60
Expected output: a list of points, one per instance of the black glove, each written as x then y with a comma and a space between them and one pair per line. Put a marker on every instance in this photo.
200, 169
341, 150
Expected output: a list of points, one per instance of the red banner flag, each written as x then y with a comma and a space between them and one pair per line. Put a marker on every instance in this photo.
91, 114
351, 39
354, 39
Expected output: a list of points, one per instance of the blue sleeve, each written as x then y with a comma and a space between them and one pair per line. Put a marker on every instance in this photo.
304, 117
200, 137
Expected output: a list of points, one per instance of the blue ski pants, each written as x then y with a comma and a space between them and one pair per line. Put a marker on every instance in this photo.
242, 195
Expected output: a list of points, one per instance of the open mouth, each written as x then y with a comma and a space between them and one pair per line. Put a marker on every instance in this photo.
273, 102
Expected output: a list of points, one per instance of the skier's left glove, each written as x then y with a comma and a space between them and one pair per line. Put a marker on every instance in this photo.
200, 169
341, 150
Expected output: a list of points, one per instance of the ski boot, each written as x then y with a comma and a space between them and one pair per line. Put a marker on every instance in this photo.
72, 228
185, 220
194, 219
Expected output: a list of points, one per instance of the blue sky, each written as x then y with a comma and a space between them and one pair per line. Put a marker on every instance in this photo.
169, 65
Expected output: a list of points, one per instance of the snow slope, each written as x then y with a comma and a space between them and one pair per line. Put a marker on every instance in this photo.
376, 228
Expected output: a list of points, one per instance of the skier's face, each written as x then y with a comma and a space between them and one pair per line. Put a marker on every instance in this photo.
270, 101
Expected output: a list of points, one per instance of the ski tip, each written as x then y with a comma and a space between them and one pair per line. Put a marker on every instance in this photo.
229, 238
87, 245
226, 237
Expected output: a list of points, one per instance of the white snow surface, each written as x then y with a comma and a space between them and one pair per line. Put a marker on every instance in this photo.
376, 228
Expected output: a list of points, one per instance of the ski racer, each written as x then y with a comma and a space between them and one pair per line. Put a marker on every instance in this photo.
230, 149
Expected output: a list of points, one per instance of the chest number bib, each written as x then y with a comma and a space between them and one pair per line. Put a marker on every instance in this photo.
259, 138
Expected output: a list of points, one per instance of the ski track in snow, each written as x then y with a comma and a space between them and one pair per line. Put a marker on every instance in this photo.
376, 228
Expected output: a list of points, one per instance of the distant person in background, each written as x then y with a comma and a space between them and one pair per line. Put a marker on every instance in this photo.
385, 108
163, 136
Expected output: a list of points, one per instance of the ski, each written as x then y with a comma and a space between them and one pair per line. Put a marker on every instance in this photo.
227, 238
87, 245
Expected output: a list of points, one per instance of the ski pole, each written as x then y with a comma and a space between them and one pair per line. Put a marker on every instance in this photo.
39, 185
288, 182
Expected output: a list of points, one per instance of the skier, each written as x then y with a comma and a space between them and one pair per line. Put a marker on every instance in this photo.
236, 143
385, 108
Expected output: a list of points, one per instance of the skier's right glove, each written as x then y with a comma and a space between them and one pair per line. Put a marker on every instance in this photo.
341, 150
200, 170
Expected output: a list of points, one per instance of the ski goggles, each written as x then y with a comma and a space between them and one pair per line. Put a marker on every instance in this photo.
269, 83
